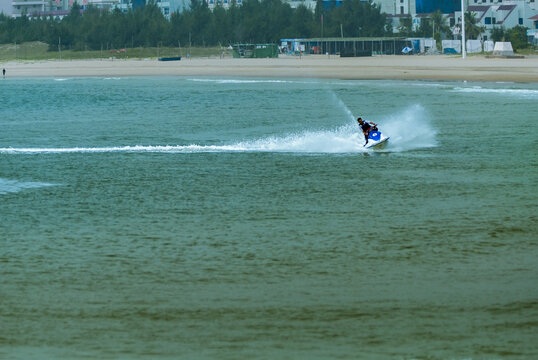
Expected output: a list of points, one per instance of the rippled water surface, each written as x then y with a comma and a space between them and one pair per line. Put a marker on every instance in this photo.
221, 218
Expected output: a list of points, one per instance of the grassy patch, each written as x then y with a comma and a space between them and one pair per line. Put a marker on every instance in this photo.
40, 51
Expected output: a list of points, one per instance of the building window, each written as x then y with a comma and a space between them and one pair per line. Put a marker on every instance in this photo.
493, 21
487, 21
520, 21
401, 9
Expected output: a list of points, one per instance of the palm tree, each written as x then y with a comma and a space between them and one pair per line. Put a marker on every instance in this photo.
439, 22
439, 26
472, 29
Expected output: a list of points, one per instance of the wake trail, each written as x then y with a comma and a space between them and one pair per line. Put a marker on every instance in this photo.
14, 186
408, 130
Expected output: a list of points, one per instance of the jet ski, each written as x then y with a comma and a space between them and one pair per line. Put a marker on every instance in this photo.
376, 140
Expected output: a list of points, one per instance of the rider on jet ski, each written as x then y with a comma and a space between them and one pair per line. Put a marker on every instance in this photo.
367, 127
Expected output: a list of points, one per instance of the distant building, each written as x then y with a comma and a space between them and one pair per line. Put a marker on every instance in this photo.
489, 13
309, 4
5, 7
512, 13
126, 5
396, 7
27, 7
101, 4
60, 8
224, 3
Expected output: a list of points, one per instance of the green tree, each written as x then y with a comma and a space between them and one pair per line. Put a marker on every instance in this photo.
440, 24
498, 33
406, 26
472, 29
425, 28
518, 37
302, 23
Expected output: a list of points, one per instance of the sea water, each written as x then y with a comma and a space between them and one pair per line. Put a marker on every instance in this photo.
227, 218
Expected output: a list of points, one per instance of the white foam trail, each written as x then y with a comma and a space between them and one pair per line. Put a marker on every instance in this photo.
236, 81
14, 186
516, 92
409, 130
338, 141
342, 140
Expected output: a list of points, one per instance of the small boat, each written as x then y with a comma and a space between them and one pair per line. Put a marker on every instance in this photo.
173, 58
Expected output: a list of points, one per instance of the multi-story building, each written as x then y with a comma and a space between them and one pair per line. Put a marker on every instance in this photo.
60, 8
20, 7
397, 7
507, 15
489, 13
5, 7
126, 5
225, 3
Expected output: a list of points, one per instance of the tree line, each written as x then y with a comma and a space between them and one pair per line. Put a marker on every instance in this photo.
255, 21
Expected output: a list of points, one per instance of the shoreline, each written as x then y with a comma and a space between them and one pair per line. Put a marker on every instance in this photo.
381, 67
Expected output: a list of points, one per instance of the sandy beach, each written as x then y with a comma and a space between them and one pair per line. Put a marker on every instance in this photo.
476, 68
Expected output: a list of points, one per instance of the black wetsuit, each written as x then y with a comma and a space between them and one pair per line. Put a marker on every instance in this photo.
366, 127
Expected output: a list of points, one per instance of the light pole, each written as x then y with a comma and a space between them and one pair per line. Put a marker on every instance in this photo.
462, 30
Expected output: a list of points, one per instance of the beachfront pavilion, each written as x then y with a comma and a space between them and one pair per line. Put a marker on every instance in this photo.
354, 46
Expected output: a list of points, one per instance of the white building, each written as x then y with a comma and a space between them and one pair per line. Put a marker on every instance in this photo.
489, 13
5, 7
506, 14
397, 7
126, 5
225, 3
309, 4
60, 8
20, 7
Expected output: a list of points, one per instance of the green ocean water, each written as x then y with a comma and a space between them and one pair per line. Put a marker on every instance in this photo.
227, 218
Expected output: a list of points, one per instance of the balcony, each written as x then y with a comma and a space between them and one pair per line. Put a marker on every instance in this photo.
28, 3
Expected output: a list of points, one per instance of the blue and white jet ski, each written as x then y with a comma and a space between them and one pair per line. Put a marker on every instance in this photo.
376, 140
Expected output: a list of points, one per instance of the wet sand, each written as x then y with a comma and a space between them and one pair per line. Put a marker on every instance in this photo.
476, 68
